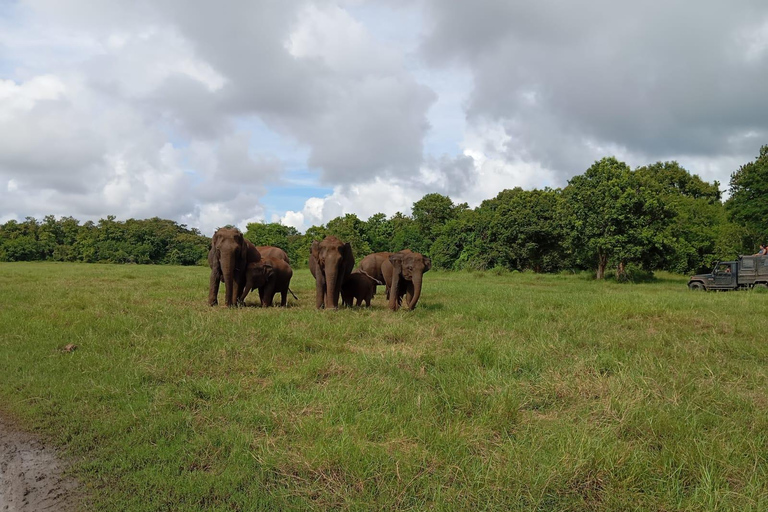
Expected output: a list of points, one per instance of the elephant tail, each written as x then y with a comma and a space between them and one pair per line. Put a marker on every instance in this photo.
369, 276
294, 295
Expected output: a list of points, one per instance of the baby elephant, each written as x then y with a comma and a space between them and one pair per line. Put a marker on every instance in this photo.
360, 286
270, 275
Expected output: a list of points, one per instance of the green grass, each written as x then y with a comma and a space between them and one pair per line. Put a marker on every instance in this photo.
499, 392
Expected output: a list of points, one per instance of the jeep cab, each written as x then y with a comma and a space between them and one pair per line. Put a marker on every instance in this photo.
745, 273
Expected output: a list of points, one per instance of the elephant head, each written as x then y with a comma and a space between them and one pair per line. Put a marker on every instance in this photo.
408, 267
257, 275
330, 262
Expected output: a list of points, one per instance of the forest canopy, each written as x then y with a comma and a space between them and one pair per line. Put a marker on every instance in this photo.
656, 217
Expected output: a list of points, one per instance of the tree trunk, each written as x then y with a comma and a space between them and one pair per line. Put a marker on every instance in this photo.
602, 263
621, 271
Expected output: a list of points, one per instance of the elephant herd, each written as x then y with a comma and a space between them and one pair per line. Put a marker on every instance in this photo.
243, 266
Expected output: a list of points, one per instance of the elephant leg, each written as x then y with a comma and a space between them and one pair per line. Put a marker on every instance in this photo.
261, 295
409, 292
394, 293
320, 292
232, 290
246, 290
284, 297
269, 295
369, 296
240, 292
213, 287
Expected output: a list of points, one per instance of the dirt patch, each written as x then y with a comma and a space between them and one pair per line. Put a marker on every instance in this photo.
31, 474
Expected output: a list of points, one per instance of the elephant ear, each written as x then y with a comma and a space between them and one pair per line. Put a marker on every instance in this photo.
396, 259
269, 269
427, 264
348, 257
315, 250
240, 241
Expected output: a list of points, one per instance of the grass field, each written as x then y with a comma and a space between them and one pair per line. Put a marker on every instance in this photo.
499, 392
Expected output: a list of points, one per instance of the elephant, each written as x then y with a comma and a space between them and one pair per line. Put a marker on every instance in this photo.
403, 274
268, 251
330, 262
371, 265
359, 285
228, 258
271, 276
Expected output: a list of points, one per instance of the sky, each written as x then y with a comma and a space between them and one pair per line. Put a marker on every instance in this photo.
292, 111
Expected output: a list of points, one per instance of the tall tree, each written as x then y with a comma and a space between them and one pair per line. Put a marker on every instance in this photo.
461, 243
350, 228
406, 234
619, 216
696, 232
378, 232
273, 233
431, 213
748, 204
528, 229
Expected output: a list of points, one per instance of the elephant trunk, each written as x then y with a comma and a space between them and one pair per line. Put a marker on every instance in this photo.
228, 269
394, 292
331, 293
416, 291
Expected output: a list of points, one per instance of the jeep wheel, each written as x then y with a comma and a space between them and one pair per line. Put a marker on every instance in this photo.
761, 285
696, 286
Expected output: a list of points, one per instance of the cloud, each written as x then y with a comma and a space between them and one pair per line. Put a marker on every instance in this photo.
155, 95
477, 175
195, 110
654, 79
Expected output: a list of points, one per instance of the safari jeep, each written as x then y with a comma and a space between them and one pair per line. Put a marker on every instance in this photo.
744, 273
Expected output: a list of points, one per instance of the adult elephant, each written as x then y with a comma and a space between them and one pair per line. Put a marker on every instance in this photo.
269, 251
371, 265
330, 262
228, 258
271, 276
403, 273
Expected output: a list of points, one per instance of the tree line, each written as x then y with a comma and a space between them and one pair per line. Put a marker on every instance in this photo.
611, 219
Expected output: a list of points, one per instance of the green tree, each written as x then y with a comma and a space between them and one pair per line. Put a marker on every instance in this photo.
188, 249
528, 228
67, 229
696, 233
350, 228
461, 243
619, 217
133, 241
748, 204
378, 232
431, 213
677, 181
273, 233
20, 241
406, 234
